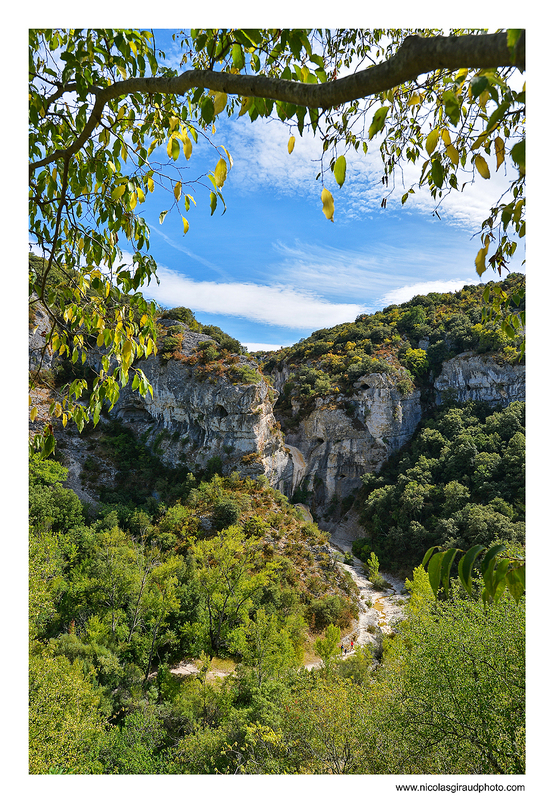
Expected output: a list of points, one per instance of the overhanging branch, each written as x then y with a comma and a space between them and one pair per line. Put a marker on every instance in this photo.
416, 56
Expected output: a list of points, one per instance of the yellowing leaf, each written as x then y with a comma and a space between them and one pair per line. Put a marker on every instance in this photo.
445, 137
127, 353
220, 101
173, 148
482, 166
328, 204
340, 170
431, 141
177, 190
117, 192
453, 154
173, 123
414, 100
220, 172
480, 261
245, 105
187, 145
292, 140
479, 141
34, 413
150, 184
499, 150
228, 155
185, 225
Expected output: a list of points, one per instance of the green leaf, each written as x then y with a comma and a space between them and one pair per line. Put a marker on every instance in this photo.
118, 191
378, 121
237, 56
435, 571
428, 555
340, 170
446, 566
465, 566
478, 84
515, 586
498, 114
96, 414
48, 445
207, 110
490, 555
451, 106
518, 155
162, 216
495, 578
173, 148
437, 172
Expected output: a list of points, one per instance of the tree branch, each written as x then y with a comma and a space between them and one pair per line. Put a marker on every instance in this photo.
417, 55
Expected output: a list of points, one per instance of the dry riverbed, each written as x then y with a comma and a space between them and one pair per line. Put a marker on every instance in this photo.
378, 611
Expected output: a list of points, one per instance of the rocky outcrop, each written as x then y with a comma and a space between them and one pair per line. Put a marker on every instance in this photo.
342, 439
40, 352
189, 419
478, 377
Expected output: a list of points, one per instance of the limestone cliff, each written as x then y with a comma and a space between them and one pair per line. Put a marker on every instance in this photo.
479, 377
341, 439
191, 419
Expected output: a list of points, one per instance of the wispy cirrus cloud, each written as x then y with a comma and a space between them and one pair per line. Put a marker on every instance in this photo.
261, 160
278, 305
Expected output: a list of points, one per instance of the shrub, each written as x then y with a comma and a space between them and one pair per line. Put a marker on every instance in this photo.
245, 374
332, 609
255, 526
183, 314
226, 513
416, 361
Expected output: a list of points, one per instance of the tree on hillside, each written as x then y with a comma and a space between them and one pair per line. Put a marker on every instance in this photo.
101, 107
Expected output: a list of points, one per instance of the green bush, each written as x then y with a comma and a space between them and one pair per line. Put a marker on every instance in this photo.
329, 610
245, 374
226, 513
183, 314
55, 507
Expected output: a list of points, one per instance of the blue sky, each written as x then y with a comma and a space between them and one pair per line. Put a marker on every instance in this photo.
273, 269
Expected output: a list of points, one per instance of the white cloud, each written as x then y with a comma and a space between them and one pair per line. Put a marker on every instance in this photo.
402, 294
261, 160
264, 346
279, 305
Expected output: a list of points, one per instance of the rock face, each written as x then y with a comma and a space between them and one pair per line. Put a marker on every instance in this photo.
40, 354
191, 420
332, 448
478, 377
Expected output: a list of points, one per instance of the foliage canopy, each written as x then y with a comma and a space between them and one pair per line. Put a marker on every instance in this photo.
102, 108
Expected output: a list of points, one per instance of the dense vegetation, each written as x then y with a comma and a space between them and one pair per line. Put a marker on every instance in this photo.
409, 341
459, 482
238, 579
180, 565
